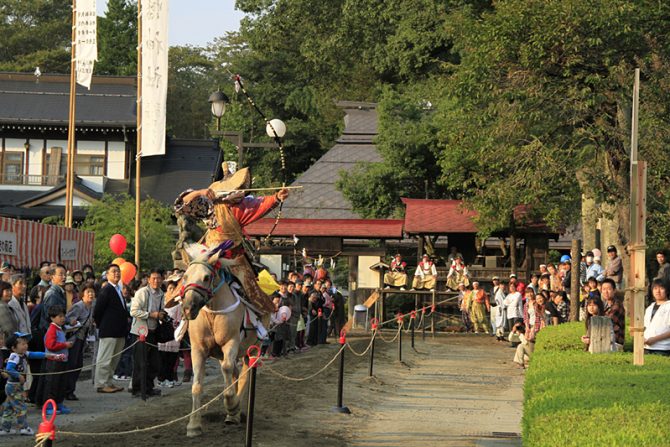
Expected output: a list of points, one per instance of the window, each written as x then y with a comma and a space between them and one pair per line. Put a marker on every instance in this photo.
89, 165
12, 169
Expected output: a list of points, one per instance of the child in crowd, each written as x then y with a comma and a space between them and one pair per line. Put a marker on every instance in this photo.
14, 408
55, 343
595, 308
279, 328
525, 347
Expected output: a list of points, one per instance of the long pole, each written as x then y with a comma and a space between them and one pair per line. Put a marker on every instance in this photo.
69, 175
638, 207
576, 253
138, 156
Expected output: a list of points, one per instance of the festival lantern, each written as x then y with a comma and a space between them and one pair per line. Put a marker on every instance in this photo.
278, 126
117, 244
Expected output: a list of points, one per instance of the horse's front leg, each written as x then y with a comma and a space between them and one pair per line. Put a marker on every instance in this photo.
194, 427
230, 398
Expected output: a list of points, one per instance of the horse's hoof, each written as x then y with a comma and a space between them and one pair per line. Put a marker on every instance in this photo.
233, 419
193, 432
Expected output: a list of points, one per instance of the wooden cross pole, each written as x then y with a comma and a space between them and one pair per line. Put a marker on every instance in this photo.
636, 249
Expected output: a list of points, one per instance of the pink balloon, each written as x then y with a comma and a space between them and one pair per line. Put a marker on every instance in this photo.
118, 244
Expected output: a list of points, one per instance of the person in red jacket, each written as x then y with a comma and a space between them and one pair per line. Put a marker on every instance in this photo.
56, 346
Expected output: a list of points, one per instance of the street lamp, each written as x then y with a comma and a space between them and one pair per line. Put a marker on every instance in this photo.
218, 101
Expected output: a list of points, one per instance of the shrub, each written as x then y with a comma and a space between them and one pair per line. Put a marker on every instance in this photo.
573, 398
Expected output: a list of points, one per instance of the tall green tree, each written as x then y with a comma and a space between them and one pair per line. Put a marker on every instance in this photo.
117, 39
35, 33
116, 214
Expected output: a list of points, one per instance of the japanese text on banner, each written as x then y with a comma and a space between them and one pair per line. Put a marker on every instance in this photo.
154, 75
86, 41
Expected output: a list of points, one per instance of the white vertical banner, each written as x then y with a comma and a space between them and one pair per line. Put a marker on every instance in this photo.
154, 75
86, 41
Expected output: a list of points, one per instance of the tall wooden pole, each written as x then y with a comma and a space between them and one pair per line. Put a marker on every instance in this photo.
635, 282
575, 261
138, 157
69, 175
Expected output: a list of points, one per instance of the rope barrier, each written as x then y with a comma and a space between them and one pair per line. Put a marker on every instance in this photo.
165, 424
79, 369
374, 334
42, 438
394, 338
297, 379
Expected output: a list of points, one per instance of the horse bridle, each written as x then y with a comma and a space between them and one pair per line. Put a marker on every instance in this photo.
206, 292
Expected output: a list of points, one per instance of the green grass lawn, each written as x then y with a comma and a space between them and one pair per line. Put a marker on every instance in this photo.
573, 398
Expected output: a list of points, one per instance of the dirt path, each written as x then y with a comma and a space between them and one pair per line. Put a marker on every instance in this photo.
464, 393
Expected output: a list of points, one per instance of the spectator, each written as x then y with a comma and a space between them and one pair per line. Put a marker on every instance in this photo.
279, 330
663, 273
78, 278
111, 316
593, 267
8, 322
544, 283
657, 321
71, 292
295, 316
614, 269
146, 310
80, 316
18, 305
566, 282
454, 254
513, 307
615, 311
315, 318
53, 383
38, 291
555, 282
525, 347
535, 283
594, 308
14, 408
498, 314
124, 369
558, 308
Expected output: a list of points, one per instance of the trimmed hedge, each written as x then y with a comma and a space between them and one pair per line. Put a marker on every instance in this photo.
573, 398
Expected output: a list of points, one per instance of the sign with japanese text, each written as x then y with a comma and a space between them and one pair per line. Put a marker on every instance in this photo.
68, 250
8, 243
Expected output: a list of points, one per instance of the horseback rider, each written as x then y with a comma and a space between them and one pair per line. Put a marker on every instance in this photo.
226, 210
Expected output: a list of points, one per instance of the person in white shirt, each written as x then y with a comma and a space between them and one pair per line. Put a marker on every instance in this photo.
425, 276
514, 307
657, 321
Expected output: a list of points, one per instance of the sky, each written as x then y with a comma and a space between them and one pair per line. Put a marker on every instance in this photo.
197, 22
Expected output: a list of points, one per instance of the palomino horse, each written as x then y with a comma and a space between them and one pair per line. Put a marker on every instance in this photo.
215, 317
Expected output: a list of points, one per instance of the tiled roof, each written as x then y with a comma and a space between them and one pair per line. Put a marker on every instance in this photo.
437, 217
109, 103
352, 228
185, 164
319, 198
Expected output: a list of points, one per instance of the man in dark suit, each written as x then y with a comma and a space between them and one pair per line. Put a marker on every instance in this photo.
111, 317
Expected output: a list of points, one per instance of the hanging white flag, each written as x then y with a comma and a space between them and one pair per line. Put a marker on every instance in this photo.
86, 41
154, 75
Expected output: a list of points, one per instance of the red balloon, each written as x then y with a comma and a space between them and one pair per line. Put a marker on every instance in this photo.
118, 244
128, 271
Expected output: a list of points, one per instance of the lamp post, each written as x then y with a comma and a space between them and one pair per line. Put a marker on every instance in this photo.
218, 101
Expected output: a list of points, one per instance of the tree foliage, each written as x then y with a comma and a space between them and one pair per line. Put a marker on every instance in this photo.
117, 39
35, 33
116, 214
